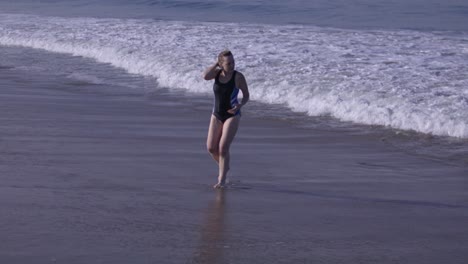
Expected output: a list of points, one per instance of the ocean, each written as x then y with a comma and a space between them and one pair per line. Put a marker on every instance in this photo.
396, 69
353, 148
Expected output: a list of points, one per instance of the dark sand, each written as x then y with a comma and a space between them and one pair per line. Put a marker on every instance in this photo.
93, 176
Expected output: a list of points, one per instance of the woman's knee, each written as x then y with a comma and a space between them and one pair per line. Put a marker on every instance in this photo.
212, 149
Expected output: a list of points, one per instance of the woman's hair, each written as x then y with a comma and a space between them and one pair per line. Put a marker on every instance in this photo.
222, 54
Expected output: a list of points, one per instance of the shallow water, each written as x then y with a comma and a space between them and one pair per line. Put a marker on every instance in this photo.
318, 64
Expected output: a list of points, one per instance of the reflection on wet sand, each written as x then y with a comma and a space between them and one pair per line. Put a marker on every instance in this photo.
212, 243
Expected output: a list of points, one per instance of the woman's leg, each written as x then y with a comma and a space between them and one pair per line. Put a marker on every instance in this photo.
228, 132
214, 136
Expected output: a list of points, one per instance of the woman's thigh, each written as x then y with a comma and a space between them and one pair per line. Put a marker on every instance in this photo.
214, 133
229, 132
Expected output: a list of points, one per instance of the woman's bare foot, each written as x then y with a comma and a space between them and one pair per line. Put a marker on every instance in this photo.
219, 186
221, 183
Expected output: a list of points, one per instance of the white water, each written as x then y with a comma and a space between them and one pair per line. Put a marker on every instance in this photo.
403, 79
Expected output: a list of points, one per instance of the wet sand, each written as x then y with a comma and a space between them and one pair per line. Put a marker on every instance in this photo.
88, 175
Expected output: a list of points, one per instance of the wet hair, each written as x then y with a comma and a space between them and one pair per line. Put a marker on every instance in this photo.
222, 54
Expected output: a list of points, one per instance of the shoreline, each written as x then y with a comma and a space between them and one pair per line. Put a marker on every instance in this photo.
102, 177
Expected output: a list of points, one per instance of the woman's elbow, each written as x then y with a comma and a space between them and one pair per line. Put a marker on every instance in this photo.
206, 77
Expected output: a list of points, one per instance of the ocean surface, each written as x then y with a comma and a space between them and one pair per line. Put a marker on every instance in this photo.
396, 68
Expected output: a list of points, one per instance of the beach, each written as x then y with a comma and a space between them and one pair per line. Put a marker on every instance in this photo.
95, 174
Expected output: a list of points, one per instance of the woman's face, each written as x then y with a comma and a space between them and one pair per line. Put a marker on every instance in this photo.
227, 63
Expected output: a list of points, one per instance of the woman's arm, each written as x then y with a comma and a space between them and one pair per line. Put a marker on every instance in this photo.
241, 83
210, 72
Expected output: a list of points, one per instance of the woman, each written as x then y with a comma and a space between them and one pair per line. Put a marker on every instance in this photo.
226, 111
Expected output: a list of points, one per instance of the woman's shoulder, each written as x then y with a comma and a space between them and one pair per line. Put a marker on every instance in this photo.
239, 75
240, 80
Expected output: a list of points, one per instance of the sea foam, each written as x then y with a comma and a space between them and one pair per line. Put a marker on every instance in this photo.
403, 79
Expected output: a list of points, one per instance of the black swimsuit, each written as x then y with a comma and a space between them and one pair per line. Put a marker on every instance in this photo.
225, 98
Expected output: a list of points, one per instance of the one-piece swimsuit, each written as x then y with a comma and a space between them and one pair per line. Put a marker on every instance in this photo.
225, 95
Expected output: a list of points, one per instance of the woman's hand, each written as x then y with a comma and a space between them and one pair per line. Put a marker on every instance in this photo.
210, 72
234, 110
